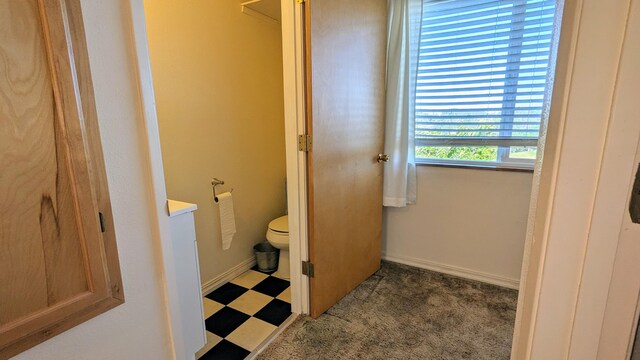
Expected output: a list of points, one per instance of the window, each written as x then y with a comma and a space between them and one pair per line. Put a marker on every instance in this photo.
481, 81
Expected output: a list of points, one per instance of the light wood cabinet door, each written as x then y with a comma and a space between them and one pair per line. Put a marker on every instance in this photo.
58, 258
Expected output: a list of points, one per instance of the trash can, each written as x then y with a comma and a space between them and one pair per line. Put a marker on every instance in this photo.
266, 257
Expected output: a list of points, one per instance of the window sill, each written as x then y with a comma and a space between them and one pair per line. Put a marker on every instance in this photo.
491, 167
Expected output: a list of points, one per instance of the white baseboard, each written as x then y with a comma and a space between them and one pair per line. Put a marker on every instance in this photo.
228, 275
455, 271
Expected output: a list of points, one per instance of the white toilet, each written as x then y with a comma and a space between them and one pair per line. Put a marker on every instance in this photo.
278, 236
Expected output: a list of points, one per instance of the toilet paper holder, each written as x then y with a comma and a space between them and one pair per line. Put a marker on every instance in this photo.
215, 182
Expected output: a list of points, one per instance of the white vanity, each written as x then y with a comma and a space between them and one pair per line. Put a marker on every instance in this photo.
187, 270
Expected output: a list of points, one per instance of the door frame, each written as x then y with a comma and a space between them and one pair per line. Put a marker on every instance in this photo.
568, 252
294, 110
292, 21
605, 317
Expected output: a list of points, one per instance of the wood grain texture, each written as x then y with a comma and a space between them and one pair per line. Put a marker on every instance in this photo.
41, 262
56, 267
96, 169
346, 42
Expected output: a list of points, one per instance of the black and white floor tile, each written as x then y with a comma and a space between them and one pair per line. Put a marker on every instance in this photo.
241, 314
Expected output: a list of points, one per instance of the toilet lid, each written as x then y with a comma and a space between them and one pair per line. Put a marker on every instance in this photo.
280, 224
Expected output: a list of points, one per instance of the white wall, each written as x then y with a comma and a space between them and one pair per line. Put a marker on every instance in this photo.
467, 222
137, 329
219, 95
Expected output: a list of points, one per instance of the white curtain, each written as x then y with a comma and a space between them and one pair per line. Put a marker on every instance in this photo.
403, 38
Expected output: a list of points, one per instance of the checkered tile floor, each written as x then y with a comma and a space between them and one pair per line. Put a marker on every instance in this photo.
243, 313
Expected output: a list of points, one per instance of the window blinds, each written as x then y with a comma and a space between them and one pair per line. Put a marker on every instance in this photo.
482, 71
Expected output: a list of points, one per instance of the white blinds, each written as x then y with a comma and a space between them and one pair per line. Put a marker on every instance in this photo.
482, 71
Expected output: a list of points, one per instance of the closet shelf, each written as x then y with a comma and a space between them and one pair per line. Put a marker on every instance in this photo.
264, 9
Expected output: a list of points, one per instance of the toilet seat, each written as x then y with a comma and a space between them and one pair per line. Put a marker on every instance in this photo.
280, 225
278, 236
278, 232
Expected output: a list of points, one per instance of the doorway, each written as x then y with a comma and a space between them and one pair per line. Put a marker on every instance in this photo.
558, 141
221, 114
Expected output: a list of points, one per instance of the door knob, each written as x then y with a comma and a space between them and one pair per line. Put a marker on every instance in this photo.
383, 158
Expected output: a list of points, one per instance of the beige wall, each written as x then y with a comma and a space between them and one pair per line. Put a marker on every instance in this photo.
137, 329
218, 86
472, 222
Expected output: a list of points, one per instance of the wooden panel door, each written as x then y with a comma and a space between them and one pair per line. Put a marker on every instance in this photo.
57, 266
345, 47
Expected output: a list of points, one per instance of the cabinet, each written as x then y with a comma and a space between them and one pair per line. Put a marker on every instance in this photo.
187, 272
58, 257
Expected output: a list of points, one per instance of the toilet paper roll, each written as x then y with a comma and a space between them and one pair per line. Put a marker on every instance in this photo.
227, 219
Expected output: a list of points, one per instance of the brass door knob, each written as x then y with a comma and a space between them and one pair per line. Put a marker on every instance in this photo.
383, 158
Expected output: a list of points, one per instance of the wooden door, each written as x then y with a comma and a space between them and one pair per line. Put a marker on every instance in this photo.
345, 56
58, 267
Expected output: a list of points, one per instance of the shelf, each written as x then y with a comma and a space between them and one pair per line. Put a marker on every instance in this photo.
264, 9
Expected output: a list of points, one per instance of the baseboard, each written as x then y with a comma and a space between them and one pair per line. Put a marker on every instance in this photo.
228, 275
455, 271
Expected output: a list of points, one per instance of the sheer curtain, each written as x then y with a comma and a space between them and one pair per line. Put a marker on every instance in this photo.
403, 39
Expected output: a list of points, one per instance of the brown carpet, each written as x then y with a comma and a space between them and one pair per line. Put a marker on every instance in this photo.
402, 312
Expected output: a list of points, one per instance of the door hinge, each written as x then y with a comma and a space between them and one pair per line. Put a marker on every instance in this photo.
307, 268
102, 226
300, 1
305, 142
